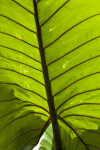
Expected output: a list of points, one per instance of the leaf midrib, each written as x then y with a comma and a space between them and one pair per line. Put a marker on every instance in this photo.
53, 114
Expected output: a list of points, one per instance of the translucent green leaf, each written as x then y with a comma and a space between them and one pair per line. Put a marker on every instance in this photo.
58, 42
23, 100
47, 140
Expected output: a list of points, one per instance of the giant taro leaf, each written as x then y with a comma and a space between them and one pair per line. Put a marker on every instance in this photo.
70, 33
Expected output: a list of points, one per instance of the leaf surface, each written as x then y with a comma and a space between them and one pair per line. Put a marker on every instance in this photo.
71, 41
47, 140
23, 101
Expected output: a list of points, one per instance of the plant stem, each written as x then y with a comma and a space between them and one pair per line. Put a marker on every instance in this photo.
53, 114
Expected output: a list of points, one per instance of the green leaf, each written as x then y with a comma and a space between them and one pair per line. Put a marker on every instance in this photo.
47, 140
50, 52
23, 100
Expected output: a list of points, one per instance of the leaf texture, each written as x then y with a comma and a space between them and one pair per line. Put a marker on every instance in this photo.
24, 111
47, 140
70, 32
71, 39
